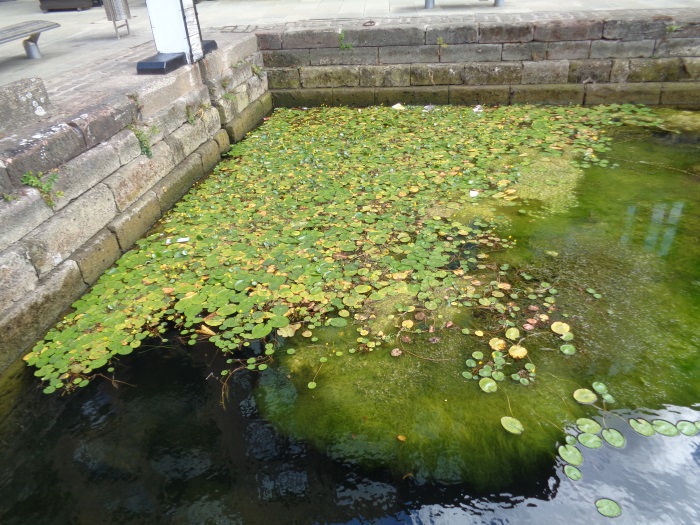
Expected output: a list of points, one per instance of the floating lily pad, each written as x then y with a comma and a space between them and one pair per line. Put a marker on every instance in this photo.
571, 455
338, 322
585, 396
567, 349
590, 426
608, 508
488, 385
687, 428
512, 333
572, 473
497, 343
560, 328
600, 387
642, 426
567, 336
665, 428
590, 440
614, 437
512, 425
608, 398
517, 351
311, 385
500, 376
571, 440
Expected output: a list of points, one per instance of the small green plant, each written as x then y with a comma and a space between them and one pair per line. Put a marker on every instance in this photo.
441, 45
144, 138
43, 183
341, 41
230, 96
672, 28
8, 197
256, 69
225, 83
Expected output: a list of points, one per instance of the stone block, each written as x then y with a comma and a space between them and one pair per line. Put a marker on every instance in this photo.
226, 107
171, 117
269, 39
551, 94
77, 176
130, 225
525, 51
209, 154
17, 276
96, 255
383, 36
45, 150
690, 69
255, 61
568, 50
681, 95
484, 95
159, 91
99, 122
6, 186
620, 70
236, 101
634, 29
654, 70
22, 214
573, 29
649, 93
546, 72
286, 58
589, 71
126, 145
57, 238
266, 103
353, 97
33, 315
412, 96
622, 48
452, 33
501, 32
283, 78
21, 103
222, 140
470, 53
239, 74
685, 27
436, 74
302, 98
248, 120
129, 182
678, 47
408, 54
214, 65
310, 38
492, 73
246, 45
256, 85
385, 76
335, 56
329, 76
186, 139
175, 184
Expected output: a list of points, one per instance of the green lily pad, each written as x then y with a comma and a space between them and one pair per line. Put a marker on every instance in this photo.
338, 322
608, 508
687, 428
488, 385
567, 349
571, 455
585, 396
608, 398
587, 425
642, 426
512, 425
614, 437
600, 387
573, 473
311, 385
512, 333
571, 440
567, 336
665, 428
590, 440
560, 328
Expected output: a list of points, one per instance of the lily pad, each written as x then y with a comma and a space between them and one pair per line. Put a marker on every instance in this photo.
573, 473
614, 437
567, 349
517, 351
687, 428
590, 426
488, 385
665, 428
512, 425
560, 328
642, 426
608, 508
585, 396
600, 387
512, 333
590, 440
571, 455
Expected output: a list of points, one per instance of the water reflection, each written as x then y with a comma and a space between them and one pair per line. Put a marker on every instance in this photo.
661, 230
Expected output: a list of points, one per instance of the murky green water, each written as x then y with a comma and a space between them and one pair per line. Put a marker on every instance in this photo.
408, 439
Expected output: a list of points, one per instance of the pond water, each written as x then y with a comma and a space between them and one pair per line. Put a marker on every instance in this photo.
409, 439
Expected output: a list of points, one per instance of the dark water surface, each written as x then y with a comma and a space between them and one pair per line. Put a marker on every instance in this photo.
161, 449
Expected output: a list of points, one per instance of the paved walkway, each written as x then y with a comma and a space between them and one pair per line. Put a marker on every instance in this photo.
86, 39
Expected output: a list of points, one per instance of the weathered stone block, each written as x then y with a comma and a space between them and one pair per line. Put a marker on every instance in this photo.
240, 73
302, 98
129, 182
383, 36
622, 48
546, 72
222, 140
96, 255
690, 69
588, 71
99, 122
22, 102
284, 78
174, 114
353, 97
209, 154
412, 95
654, 70
17, 276
257, 85
132, 223
620, 71
336, 56
500, 32
470, 53
452, 33
678, 47
269, 39
248, 120
525, 51
685, 95
255, 61
407, 54
245, 46
126, 145
310, 38
473, 95
558, 30
634, 29
159, 93
266, 103
649, 93
685, 27
436, 74
77, 176
56, 239
21, 215
568, 50
492, 73
232, 48
6, 186
286, 58
385, 76
186, 139
329, 76
554, 94
226, 107
235, 101
31, 317
175, 184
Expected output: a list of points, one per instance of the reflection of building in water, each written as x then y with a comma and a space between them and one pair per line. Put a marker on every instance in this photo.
662, 227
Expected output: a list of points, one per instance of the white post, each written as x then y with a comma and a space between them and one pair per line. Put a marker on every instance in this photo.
176, 28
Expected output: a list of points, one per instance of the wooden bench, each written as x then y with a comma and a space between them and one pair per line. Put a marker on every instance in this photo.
32, 30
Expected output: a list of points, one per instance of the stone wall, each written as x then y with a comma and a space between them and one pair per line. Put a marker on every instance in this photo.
591, 58
121, 158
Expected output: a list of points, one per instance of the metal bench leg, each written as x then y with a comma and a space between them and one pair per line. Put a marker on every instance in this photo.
31, 47
498, 3
429, 4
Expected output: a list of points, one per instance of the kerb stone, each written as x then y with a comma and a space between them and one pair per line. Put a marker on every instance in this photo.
649, 93
310, 38
305, 98
589, 71
634, 29
568, 50
385, 76
525, 51
622, 48
329, 76
353, 97
100, 122
131, 224
408, 54
17, 276
678, 47
452, 33
269, 39
96, 255
559, 30
473, 95
554, 94
439, 95
353, 56
685, 95
21, 215
492, 73
546, 72
286, 58
470, 53
283, 78
501, 32
383, 36
175, 184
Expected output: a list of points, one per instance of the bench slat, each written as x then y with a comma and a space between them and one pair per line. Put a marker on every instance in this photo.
17, 31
